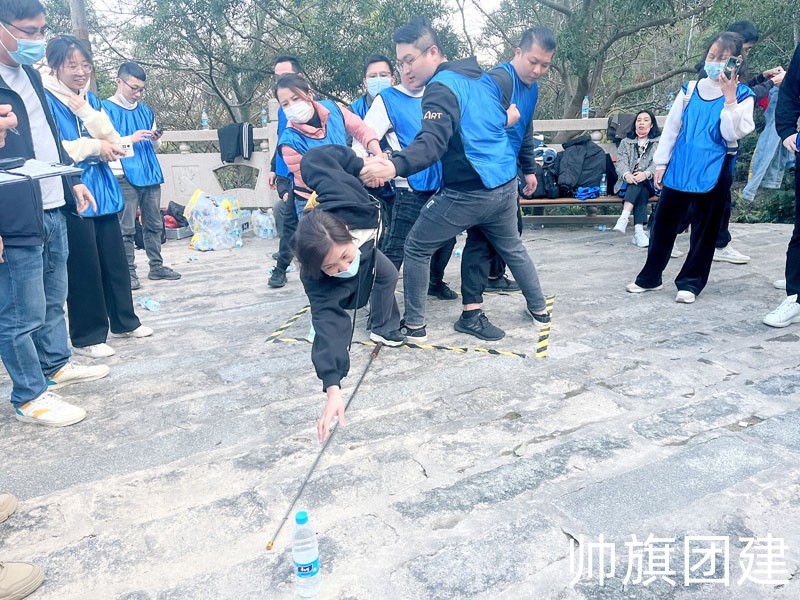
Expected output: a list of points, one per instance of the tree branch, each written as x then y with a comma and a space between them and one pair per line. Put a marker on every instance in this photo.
644, 85
556, 6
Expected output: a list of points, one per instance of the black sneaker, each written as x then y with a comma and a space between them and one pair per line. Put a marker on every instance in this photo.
135, 283
480, 327
441, 291
416, 336
391, 339
163, 272
502, 284
277, 279
543, 319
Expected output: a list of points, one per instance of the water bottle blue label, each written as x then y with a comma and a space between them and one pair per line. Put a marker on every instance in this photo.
309, 570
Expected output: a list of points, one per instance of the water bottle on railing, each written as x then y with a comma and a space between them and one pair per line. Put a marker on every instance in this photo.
204, 119
264, 118
585, 108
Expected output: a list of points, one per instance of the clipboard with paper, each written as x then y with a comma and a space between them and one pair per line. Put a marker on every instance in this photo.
37, 169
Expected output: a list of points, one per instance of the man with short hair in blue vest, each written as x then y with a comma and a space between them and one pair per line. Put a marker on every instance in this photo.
139, 176
395, 116
280, 180
463, 125
517, 81
377, 77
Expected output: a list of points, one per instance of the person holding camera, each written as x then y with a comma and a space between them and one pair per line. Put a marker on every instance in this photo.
694, 167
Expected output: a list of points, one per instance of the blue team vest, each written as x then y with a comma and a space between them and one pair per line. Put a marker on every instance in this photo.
280, 164
405, 114
334, 132
142, 168
699, 152
482, 127
525, 98
97, 175
360, 107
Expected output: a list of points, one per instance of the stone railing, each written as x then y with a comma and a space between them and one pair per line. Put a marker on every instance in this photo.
186, 171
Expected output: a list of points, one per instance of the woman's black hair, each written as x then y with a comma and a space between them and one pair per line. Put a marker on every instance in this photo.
654, 130
61, 48
317, 232
727, 40
293, 82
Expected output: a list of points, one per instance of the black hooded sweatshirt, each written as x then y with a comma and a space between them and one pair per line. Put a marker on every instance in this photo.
332, 171
440, 135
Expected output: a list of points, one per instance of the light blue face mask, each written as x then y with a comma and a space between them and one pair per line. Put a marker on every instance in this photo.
714, 69
28, 52
375, 85
352, 270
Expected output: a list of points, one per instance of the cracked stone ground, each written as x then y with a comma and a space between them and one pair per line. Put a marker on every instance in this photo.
460, 475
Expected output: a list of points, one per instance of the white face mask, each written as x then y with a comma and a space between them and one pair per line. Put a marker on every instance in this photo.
301, 112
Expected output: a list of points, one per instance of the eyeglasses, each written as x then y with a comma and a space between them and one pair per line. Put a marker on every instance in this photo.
31, 33
400, 63
84, 67
134, 88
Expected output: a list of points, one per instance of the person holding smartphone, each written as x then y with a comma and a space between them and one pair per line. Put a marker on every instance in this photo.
139, 175
694, 167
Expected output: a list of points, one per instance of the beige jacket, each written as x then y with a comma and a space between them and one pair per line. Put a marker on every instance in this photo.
96, 122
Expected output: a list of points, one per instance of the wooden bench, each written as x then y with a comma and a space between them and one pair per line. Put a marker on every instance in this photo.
593, 126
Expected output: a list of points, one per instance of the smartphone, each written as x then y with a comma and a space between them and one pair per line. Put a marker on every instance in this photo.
128, 150
159, 132
732, 66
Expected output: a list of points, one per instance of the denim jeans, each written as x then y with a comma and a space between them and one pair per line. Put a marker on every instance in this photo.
33, 289
405, 212
148, 200
770, 158
793, 251
448, 213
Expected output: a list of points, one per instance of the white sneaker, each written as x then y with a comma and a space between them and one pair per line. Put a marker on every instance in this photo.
640, 239
49, 409
632, 288
8, 504
141, 331
779, 284
685, 297
728, 254
72, 373
787, 313
622, 224
675, 252
95, 351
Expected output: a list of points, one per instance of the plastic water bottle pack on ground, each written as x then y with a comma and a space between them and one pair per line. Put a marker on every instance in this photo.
213, 220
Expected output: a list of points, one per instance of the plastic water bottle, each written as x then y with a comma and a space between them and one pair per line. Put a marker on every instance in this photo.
148, 303
603, 186
601, 227
585, 108
305, 553
264, 119
459, 251
204, 119
269, 225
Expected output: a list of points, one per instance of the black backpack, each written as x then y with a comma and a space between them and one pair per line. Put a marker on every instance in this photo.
547, 177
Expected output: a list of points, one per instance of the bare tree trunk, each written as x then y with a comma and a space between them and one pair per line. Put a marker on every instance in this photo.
80, 27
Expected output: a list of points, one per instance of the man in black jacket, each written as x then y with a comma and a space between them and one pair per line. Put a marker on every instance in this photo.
463, 124
33, 271
786, 116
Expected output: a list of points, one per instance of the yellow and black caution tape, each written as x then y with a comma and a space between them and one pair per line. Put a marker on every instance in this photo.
458, 349
280, 330
544, 330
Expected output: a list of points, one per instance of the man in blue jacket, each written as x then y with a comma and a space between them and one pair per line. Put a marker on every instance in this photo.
33, 238
139, 176
463, 125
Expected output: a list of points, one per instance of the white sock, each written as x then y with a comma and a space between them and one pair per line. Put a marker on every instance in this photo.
639, 227
625, 214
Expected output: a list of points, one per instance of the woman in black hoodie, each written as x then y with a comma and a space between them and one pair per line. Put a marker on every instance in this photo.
341, 269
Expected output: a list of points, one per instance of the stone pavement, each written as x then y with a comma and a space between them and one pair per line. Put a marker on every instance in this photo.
459, 475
